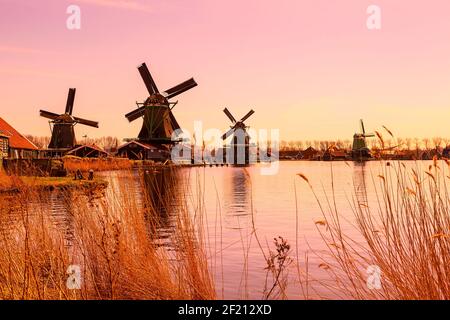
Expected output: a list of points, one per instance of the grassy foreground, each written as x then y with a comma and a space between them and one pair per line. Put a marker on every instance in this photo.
114, 241
109, 243
402, 246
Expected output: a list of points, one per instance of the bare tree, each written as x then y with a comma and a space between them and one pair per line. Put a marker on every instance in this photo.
437, 141
408, 143
426, 143
40, 142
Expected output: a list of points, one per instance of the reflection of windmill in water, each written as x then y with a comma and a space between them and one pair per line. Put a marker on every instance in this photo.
359, 183
360, 151
239, 151
237, 198
161, 201
63, 133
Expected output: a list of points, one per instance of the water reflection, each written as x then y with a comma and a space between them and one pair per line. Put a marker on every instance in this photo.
162, 189
359, 183
59, 204
237, 198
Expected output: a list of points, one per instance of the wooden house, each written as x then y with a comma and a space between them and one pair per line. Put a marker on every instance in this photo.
18, 146
137, 150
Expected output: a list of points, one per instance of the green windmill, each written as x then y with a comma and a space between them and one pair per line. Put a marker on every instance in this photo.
360, 151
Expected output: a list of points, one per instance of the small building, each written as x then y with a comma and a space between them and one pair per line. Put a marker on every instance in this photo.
309, 153
19, 147
88, 151
137, 150
427, 155
334, 154
290, 154
4, 145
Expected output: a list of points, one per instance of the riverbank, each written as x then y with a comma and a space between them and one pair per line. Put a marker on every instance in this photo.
17, 184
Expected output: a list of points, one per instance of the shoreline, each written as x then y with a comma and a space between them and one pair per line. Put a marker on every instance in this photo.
54, 183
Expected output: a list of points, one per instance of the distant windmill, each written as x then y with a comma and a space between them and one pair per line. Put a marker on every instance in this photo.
241, 138
360, 151
159, 121
63, 134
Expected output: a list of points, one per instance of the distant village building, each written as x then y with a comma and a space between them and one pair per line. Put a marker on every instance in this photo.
309, 153
4, 145
333, 154
88, 151
137, 150
18, 146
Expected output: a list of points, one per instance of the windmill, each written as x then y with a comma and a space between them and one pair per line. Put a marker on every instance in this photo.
158, 120
240, 136
62, 125
360, 151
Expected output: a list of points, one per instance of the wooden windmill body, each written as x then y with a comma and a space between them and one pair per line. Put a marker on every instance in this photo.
159, 123
238, 152
62, 126
360, 151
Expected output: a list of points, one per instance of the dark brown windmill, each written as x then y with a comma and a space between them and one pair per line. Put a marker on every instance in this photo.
159, 122
241, 138
63, 134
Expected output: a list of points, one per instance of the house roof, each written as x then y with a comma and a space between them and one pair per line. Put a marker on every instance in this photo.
85, 146
141, 144
16, 140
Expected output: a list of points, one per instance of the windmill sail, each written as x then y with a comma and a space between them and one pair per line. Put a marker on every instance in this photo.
148, 80
363, 130
89, 123
182, 87
63, 133
229, 115
159, 122
137, 113
48, 115
247, 115
70, 100
236, 124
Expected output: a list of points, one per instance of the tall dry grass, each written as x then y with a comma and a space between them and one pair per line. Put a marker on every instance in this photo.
405, 233
8, 182
73, 164
111, 237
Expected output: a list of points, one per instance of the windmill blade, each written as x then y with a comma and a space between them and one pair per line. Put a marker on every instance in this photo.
369, 135
178, 89
174, 121
247, 115
70, 100
363, 130
133, 115
89, 123
148, 80
228, 133
229, 115
48, 115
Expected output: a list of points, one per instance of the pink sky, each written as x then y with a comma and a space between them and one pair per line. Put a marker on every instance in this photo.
309, 68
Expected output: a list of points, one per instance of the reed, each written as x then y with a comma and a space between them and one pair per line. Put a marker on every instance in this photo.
405, 235
8, 182
112, 239
73, 164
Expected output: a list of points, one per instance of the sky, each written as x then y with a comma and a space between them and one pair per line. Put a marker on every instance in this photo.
311, 69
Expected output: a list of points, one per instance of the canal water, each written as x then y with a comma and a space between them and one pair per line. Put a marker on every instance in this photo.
240, 201
243, 211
